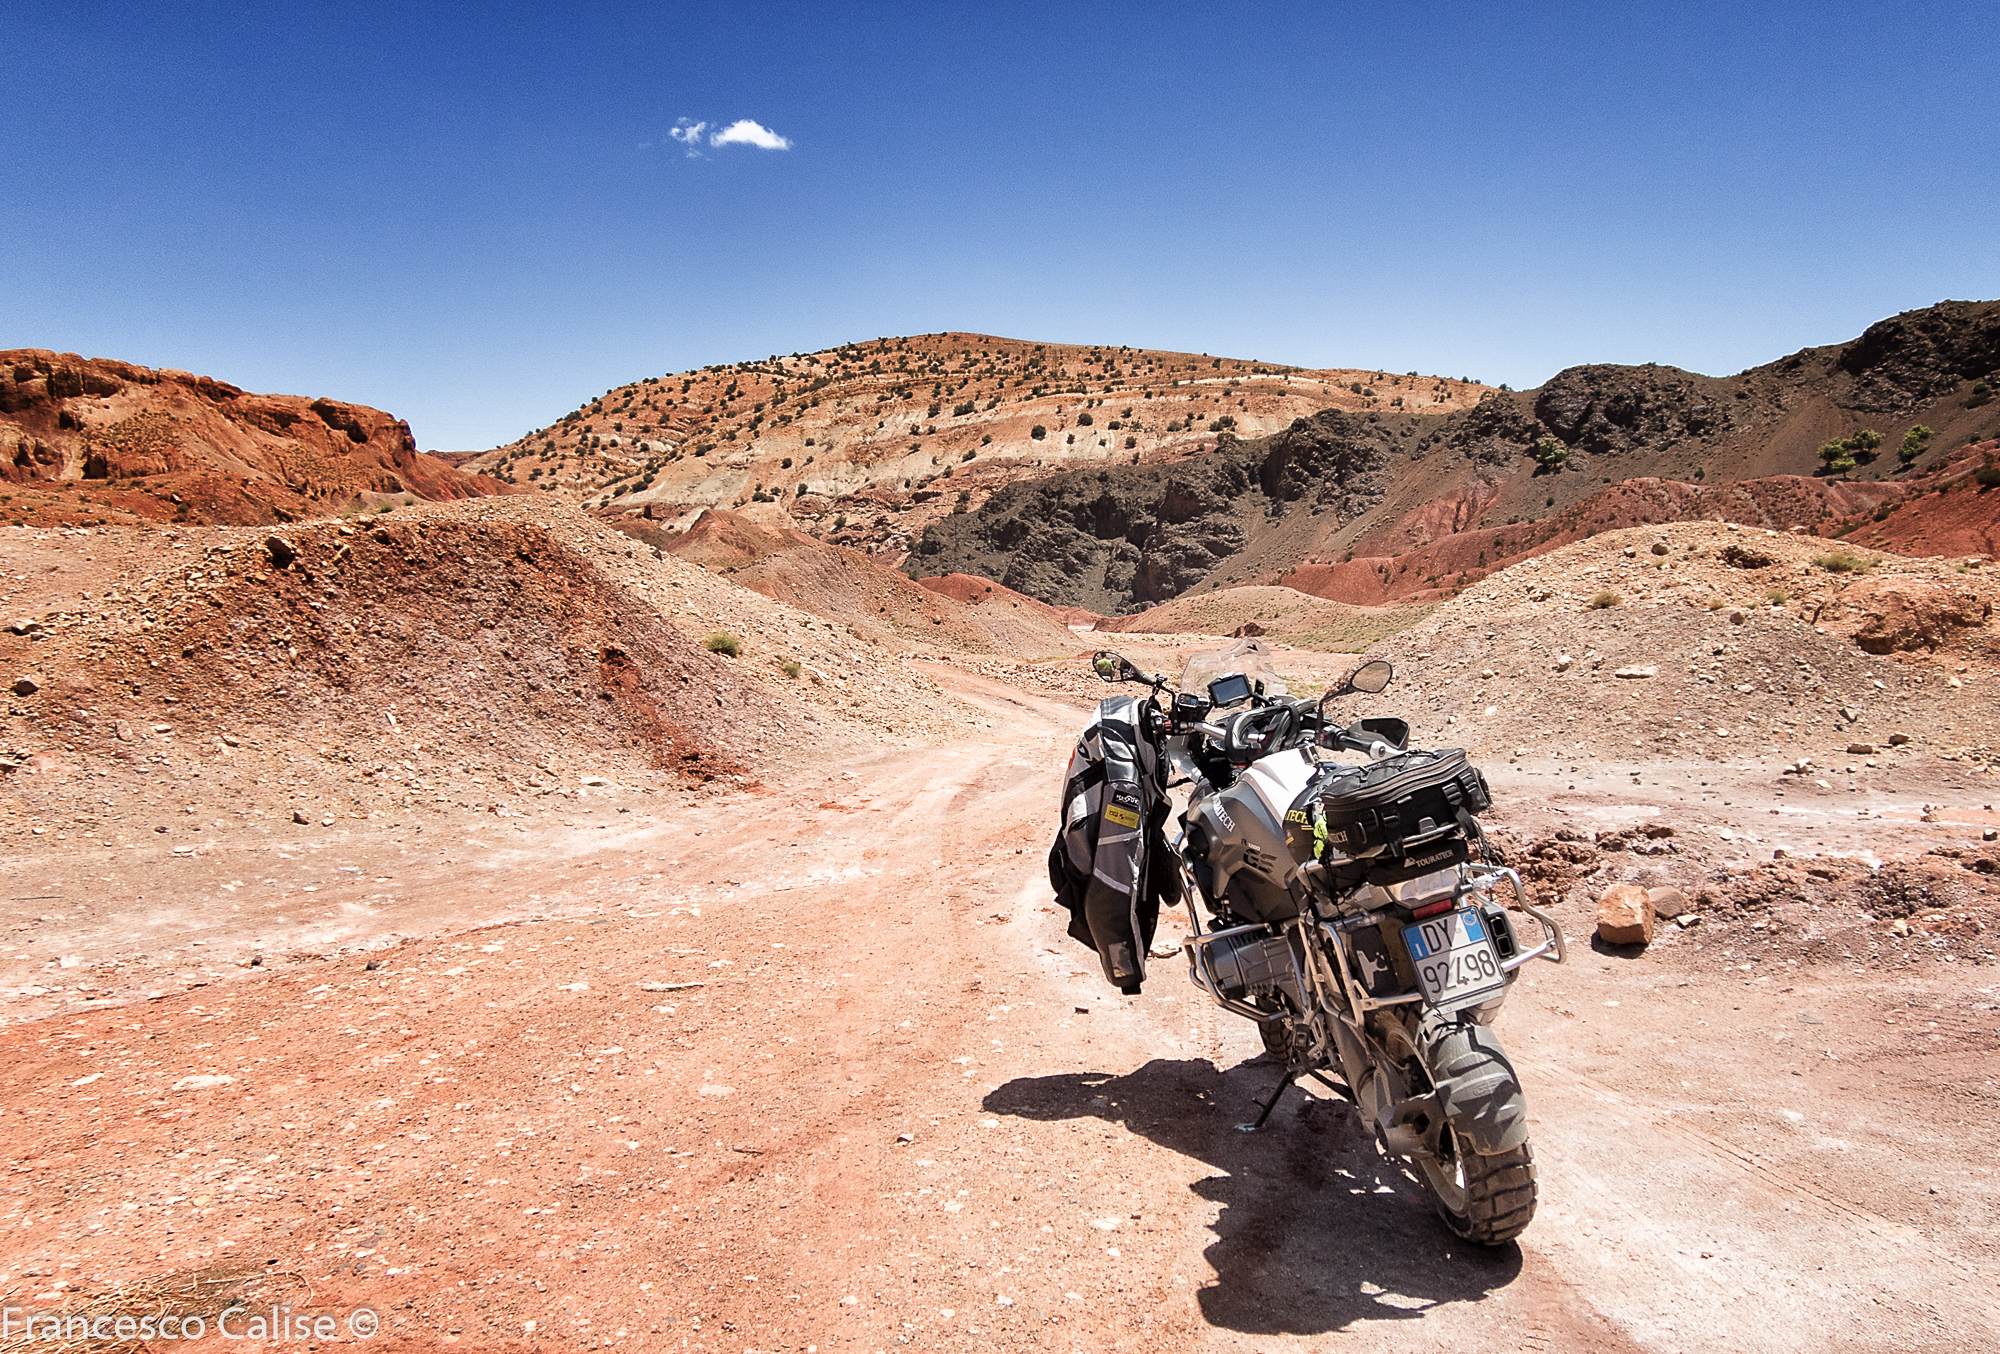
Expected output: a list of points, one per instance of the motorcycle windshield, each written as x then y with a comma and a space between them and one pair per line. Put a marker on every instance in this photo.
1250, 657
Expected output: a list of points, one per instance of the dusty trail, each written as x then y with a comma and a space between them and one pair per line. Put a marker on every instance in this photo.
815, 1069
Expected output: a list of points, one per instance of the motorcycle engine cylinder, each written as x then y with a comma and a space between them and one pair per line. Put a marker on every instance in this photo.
1258, 966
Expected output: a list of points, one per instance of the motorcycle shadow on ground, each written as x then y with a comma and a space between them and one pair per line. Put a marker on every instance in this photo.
1318, 1230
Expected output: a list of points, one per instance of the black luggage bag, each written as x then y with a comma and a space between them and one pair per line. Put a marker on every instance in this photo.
1345, 811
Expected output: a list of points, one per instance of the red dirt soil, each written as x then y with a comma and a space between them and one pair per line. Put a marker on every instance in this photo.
1945, 511
577, 1052
973, 590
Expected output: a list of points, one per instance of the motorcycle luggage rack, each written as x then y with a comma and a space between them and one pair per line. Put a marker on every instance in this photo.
1552, 938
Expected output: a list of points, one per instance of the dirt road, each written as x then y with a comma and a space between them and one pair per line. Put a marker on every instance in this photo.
814, 1069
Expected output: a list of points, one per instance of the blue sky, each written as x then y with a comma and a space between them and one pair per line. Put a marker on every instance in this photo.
478, 216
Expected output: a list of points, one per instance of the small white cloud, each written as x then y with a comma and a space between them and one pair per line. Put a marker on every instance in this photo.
744, 132
689, 134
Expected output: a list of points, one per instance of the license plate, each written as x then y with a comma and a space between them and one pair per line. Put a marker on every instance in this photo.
1454, 957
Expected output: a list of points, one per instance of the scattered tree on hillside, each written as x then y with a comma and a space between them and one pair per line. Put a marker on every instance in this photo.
1913, 444
1549, 454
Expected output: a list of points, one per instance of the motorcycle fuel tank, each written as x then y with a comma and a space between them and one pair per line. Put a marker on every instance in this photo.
1251, 869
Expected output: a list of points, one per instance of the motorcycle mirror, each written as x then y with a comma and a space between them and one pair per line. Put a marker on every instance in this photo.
1113, 667
1371, 678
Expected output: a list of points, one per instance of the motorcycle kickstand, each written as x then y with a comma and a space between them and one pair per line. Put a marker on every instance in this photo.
1277, 1095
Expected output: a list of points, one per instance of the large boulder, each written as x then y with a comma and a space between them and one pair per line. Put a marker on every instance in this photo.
1897, 615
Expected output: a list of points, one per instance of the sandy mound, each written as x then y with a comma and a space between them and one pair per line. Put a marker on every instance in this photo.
1697, 640
848, 587
1299, 617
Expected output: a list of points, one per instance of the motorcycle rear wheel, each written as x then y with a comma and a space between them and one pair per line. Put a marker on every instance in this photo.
1487, 1200
1277, 1036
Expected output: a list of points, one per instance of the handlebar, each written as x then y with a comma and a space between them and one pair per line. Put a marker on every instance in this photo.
1373, 748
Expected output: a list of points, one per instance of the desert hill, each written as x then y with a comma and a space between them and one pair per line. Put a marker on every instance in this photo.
90, 440
857, 442
486, 651
1382, 505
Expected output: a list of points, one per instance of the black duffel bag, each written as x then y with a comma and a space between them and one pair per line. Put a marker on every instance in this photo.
1347, 810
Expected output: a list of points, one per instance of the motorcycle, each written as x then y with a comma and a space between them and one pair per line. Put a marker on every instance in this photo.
1358, 914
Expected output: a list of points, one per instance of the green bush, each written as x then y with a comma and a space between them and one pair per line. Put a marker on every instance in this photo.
722, 643
1913, 443
1038, 432
790, 667
1605, 600
1841, 453
1982, 394
1987, 476
1549, 453
1841, 562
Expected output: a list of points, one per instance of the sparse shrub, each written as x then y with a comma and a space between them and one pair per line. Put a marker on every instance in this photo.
1987, 476
790, 667
841, 521
1083, 420
986, 440
1716, 604
1776, 596
1741, 557
1038, 432
1982, 394
1605, 600
723, 643
1841, 562
1131, 442
785, 464
1549, 454
1913, 444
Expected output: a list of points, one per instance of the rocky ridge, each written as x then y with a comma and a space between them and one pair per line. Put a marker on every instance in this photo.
857, 443
85, 441
1376, 506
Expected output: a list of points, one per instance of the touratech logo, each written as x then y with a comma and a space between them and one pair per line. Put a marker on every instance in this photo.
1446, 856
